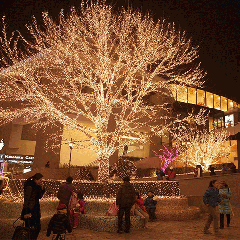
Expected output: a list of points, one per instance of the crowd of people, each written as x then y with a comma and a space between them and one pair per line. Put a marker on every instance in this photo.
128, 202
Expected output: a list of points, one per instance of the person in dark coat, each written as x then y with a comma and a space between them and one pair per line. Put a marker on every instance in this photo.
65, 191
59, 223
31, 214
211, 199
212, 170
126, 197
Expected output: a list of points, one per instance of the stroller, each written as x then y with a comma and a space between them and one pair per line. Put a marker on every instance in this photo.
59, 236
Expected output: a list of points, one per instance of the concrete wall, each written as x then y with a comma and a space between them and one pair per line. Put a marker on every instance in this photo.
194, 188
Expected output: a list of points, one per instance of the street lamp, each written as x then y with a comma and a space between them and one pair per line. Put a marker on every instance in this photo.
70, 144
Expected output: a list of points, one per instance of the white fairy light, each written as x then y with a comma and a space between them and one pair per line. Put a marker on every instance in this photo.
98, 66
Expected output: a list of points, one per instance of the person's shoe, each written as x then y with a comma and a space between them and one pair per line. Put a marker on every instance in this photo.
227, 225
74, 227
207, 232
221, 227
127, 231
120, 231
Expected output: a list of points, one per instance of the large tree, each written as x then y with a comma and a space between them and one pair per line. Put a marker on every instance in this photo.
201, 146
99, 66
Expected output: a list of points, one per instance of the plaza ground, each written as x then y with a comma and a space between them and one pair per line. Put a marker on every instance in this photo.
168, 230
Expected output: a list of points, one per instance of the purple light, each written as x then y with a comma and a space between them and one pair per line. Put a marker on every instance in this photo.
166, 156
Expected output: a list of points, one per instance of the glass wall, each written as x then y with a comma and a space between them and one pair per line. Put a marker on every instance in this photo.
192, 95
173, 88
201, 97
217, 103
209, 99
182, 93
224, 106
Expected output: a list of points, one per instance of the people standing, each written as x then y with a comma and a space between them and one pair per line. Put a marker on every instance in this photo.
212, 170
160, 174
224, 206
31, 214
65, 191
171, 174
211, 199
125, 199
224, 169
150, 205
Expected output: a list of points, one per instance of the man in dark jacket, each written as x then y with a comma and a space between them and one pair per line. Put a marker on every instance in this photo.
126, 197
65, 191
59, 223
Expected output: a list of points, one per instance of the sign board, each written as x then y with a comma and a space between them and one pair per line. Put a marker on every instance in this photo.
16, 158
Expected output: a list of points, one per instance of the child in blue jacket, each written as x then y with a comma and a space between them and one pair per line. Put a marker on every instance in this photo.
150, 205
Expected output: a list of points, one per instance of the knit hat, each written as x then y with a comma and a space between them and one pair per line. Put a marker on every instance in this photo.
61, 206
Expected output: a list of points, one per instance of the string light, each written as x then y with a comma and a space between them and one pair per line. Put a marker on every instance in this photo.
96, 190
98, 66
202, 147
166, 156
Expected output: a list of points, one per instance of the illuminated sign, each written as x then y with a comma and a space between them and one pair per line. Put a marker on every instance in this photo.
16, 158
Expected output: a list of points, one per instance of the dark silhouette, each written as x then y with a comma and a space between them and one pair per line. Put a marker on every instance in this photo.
126, 197
31, 214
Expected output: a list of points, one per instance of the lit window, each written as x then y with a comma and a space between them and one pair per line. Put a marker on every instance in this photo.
181, 93
192, 95
224, 106
217, 102
209, 99
201, 97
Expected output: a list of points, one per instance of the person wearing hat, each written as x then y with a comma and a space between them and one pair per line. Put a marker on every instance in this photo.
31, 214
59, 223
171, 174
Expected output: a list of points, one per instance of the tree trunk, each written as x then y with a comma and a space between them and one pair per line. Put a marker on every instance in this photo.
103, 170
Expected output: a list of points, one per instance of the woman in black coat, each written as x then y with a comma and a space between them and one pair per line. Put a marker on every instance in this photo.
33, 191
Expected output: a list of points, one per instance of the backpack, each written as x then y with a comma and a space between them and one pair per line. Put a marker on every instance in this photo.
73, 201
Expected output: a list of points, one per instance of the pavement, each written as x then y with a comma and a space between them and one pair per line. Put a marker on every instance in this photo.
167, 230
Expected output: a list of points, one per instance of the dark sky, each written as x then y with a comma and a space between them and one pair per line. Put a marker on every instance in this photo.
214, 25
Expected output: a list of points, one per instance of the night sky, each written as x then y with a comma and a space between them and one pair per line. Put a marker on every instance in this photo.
213, 25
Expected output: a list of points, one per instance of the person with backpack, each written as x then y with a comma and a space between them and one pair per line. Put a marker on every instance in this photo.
59, 223
224, 206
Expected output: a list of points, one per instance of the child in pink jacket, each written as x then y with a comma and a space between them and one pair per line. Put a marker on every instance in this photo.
79, 209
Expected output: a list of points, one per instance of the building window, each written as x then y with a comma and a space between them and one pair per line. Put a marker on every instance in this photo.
229, 120
182, 93
201, 97
173, 88
28, 132
209, 99
224, 106
192, 95
217, 103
